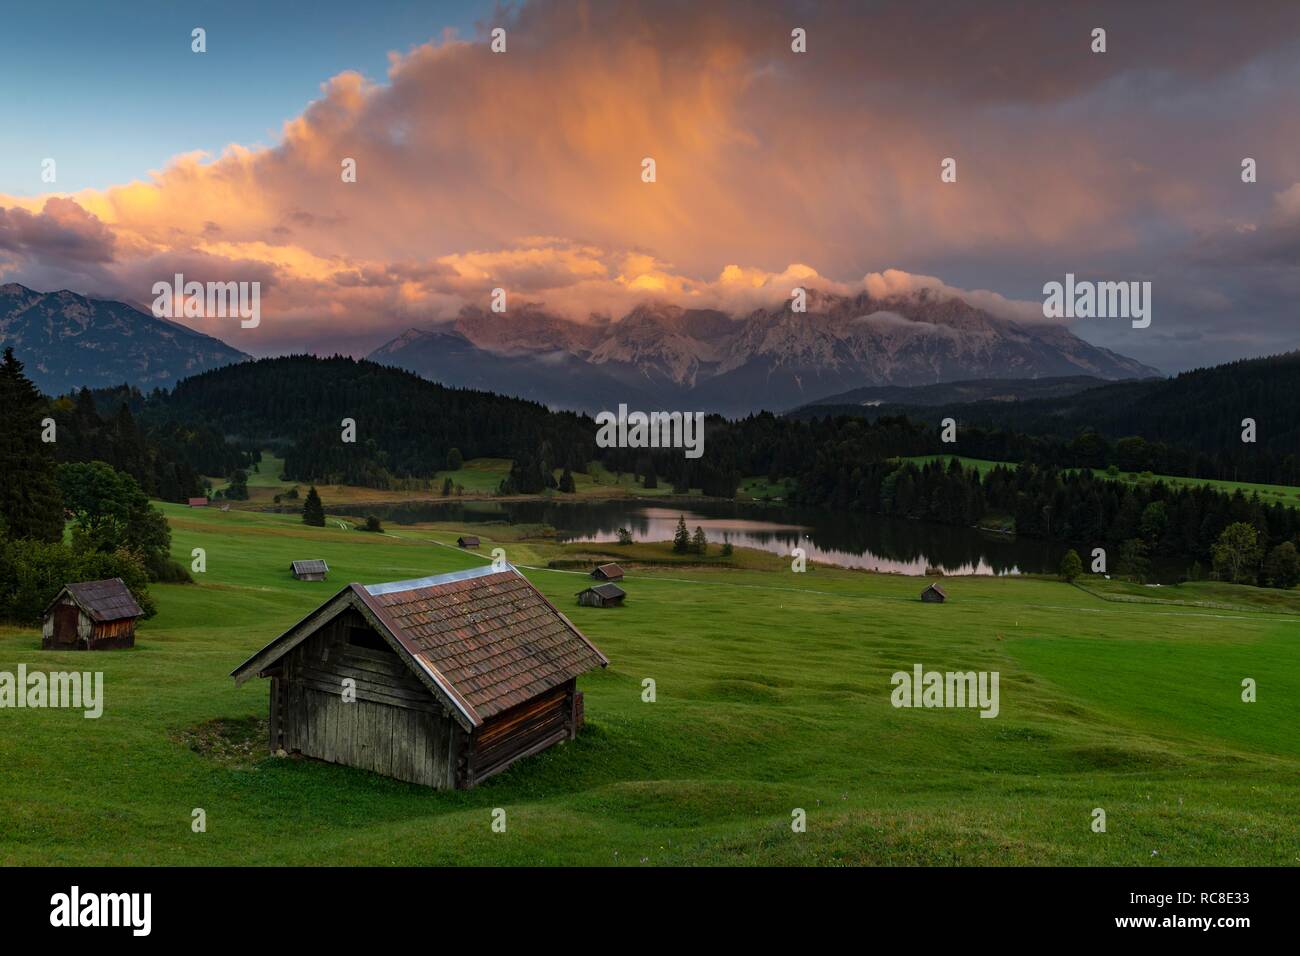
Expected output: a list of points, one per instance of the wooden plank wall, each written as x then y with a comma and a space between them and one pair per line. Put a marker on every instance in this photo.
394, 727
519, 732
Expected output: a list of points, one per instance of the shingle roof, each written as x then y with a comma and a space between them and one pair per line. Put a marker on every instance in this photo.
107, 600
611, 571
310, 566
485, 638
492, 636
607, 591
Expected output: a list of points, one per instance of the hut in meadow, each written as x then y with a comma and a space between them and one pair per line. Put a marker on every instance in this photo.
602, 595
467, 541
934, 595
312, 569
451, 678
198, 502
91, 616
608, 572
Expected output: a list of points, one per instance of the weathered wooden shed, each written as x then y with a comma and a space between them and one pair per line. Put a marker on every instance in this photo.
608, 572
602, 595
454, 677
934, 595
467, 541
198, 502
313, 569
91, 616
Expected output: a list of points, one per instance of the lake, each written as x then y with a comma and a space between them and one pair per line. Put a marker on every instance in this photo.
849, 540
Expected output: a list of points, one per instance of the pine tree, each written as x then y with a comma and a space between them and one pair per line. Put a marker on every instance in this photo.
1071, 566
566, 482
313, 511
699, 543
30, 503
681, 537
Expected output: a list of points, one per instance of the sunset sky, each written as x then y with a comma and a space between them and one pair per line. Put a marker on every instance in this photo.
523, 169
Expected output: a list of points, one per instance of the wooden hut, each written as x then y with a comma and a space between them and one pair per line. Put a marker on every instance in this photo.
456, 677
934, 595
313, 569
608, 572
467, 541
198, 502
602, 595
91, 616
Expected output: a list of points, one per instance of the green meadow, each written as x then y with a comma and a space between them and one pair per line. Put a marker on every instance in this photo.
772, 693
1268, 494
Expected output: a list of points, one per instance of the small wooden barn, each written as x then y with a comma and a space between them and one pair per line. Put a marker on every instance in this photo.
91, 616
198, 502
934, 595
467, 541
602, 595
608, 572
313, 569
454, 677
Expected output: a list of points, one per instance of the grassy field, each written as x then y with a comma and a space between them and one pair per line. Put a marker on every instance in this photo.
773, 693
1269, 494
478, 478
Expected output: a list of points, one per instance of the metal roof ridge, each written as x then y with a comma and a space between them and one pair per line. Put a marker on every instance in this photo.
391, 587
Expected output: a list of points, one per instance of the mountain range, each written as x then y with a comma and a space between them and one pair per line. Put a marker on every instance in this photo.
656, 356
665, 356
67, 341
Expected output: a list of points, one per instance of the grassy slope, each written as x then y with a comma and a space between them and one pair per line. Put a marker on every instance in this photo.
480, 478
773, 693
1269, 494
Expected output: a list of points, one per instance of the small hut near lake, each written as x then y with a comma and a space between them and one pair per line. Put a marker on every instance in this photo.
602, 595
91, 616
453, 678
467, 541
312, 569
934, 595
608, 572
198, 502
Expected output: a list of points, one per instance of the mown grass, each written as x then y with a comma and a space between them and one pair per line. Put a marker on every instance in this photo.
772, 693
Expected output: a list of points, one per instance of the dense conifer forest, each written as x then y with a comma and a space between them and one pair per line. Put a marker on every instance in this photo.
339, 420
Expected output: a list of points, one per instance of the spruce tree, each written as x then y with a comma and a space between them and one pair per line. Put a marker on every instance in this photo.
313, 512
1071, 565
699, 543
31, 505
681, 537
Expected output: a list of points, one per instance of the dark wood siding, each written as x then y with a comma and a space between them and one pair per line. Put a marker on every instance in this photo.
394, 727
519, 732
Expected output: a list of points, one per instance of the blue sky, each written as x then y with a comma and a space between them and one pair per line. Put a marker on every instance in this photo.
111, 90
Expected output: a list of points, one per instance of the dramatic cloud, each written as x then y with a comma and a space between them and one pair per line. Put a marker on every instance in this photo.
523, 171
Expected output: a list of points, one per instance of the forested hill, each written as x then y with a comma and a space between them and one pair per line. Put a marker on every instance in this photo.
405, 425
1190, 424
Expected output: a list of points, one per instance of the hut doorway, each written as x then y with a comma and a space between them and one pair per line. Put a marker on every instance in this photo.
65, 624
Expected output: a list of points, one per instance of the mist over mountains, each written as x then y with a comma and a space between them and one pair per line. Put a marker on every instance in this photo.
656, 356
666, 356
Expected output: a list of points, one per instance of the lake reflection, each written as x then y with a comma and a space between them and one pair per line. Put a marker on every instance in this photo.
845, 539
